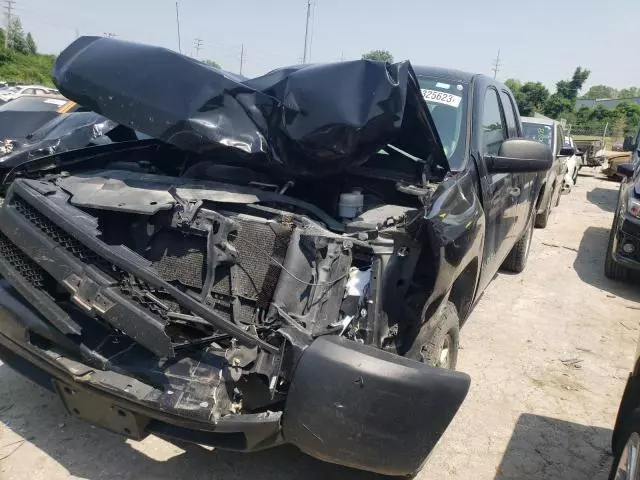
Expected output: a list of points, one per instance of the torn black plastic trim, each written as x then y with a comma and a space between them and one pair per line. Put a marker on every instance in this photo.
359, 406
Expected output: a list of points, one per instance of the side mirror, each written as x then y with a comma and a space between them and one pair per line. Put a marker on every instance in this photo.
579, 153
519, 155
625, 169
566, 151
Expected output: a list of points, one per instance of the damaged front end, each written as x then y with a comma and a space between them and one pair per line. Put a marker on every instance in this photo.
220, 302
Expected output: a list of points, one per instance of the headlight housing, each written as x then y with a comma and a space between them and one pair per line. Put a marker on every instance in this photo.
633, 207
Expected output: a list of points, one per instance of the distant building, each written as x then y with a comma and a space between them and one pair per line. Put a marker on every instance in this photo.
608, 103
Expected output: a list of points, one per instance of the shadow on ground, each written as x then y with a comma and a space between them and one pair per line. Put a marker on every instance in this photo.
91, 453
589, 265
547, 448
605, 198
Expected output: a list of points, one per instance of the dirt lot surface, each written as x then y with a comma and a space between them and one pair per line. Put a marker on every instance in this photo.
548, 352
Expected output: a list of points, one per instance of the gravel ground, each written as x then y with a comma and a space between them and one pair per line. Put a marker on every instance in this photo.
548, 352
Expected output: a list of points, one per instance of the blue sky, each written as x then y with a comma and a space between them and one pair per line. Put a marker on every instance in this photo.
539, 39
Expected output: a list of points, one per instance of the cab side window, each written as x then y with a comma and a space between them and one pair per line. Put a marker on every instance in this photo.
493, 128
509, 115
559, 139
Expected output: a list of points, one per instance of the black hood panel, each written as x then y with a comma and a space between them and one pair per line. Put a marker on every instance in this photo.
310, 119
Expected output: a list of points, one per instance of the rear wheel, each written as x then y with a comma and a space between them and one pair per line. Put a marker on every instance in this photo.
516, 261
543, 218
613, 269
437, 342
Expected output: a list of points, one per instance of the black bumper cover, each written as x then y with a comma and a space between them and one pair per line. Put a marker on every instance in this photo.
349, 404
358, 406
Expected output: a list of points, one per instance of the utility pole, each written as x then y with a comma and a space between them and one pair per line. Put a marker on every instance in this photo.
197, 46
306, 32
77, 32
178, 24
496, 65
241, 58
8, 6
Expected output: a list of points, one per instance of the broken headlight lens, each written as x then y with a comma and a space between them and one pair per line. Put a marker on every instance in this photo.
633, 207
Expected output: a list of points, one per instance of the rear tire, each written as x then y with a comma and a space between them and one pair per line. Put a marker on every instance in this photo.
516, 261
437, 342
612, 269
543, 218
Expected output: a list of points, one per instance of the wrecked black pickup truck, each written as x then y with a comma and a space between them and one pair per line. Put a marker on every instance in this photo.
287, 259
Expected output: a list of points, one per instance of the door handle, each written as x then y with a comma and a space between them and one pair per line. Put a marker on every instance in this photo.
514, 192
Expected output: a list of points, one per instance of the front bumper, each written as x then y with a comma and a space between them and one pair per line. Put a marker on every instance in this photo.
627, 231
348, 403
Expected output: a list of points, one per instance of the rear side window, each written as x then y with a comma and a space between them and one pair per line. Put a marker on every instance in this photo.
559, 140
509, 115
493, 131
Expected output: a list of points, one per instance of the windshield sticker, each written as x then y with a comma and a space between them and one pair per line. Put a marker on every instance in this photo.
441, 97
443, 85
55, 101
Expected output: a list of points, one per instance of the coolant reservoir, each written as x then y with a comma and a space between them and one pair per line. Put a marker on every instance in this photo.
351, 204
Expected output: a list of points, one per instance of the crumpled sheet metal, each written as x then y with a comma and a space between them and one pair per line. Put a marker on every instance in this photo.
69, 131
307, 119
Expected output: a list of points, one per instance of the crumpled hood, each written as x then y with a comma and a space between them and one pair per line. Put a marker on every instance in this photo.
310, 119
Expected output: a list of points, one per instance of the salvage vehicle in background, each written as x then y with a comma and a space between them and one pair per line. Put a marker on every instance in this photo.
11, 93
550, 133
287, 260
21, 117
625, 442
623, 248
573, 165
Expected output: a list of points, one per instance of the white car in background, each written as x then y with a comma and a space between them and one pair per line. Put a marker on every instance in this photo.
10, 93
573, 165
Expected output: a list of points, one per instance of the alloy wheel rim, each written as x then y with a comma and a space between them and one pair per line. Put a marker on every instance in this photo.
629, 464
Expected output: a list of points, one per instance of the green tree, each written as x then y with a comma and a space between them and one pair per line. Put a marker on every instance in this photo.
601, 91
534, 97
558, 105
212, 63
513, 84
379, 55
629, 92
31, 44
2, 37
569, 89
17, 40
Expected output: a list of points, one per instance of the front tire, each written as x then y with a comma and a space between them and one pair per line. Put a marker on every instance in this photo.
437, 342
612, 269
626, 461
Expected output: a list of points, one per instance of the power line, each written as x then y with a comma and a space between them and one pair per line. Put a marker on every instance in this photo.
8, 6
197, 46
306, 32
496, 65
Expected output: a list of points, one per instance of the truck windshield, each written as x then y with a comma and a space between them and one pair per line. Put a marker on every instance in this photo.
447, 102
538, 132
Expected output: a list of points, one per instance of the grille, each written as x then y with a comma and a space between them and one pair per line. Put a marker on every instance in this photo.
179, 257
22, 264
258, 245
58, 235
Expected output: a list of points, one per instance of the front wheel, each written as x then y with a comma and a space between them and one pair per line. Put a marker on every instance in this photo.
437, 342
626, 461
613, 269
